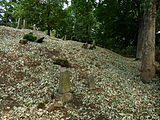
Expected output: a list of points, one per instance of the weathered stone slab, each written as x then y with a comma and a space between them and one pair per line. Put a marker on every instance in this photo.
64, 81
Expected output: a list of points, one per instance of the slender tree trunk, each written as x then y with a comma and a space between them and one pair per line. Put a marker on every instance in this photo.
148, 53
49, 31
24, 24
65, 37
19, 23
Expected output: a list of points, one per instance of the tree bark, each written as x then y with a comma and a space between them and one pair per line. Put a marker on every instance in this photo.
49, 31
141, 33
148, 53
19, 25
24, 24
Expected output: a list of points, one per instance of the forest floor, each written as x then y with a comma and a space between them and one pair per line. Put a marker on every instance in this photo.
28, 77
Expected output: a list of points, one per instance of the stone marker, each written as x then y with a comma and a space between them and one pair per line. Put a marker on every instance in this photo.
91, 82
64, 82
64, 93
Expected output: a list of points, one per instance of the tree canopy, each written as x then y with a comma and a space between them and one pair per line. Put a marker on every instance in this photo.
113, 24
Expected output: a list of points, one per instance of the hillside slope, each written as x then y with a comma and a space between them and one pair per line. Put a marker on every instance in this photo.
28, 76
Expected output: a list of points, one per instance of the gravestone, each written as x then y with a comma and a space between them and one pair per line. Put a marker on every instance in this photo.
64, 81
64, 94
91, 82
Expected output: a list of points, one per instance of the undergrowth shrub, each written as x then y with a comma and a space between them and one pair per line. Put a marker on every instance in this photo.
30, 37
129, 51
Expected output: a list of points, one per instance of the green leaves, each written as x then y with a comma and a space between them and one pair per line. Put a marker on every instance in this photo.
46, 15
6, 11
30, 37
118, 23
84, 20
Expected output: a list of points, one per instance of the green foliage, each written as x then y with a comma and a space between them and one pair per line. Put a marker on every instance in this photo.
157, 54
158, 72
7, 8
118, 22
30, 37
46, 15
129, 51
158, 41
83, 20
68, 24
158, 17
113, 24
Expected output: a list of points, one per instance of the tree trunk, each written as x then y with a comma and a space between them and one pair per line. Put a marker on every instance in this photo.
65, 37
140, 37
19, 25
24, 24
49, 31
148, 53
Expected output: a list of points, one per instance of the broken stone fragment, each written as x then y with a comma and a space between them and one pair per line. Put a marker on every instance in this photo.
23, 41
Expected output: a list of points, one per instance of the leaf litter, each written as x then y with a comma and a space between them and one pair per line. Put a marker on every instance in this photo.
28, 78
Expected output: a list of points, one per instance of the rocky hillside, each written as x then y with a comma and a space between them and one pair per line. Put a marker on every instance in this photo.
29, 76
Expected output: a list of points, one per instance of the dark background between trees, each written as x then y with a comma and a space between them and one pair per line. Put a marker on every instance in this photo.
113, 24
